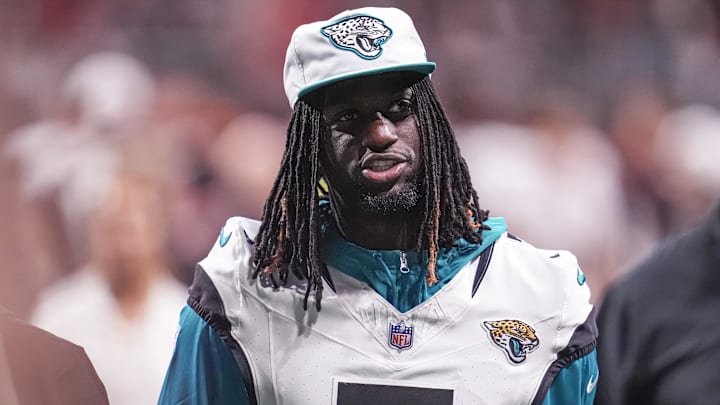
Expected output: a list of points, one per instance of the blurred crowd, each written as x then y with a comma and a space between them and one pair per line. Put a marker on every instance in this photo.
130, 130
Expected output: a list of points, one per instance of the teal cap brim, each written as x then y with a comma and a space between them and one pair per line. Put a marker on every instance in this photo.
424, 68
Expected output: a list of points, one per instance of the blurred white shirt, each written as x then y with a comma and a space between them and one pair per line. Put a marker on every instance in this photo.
130, 356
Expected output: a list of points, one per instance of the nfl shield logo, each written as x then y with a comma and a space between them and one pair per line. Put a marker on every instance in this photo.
401, 336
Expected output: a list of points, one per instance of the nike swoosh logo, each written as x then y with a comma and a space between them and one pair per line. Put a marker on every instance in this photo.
591, 384
223, 239
580, 277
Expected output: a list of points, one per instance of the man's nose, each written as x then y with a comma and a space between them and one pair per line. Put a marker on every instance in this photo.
380, 133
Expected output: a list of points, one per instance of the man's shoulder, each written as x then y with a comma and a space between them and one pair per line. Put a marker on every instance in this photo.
552, 277
218, 277
539, 259
235, 237
244, 227
232, 252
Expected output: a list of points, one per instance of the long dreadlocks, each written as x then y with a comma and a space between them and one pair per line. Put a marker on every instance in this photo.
288, 236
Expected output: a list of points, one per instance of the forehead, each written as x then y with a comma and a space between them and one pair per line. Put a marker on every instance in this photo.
360, 89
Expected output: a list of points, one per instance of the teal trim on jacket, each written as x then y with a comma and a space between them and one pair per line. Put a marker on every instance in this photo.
575, 384
203, 370
380, 269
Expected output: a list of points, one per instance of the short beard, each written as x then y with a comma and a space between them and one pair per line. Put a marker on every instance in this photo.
404, 200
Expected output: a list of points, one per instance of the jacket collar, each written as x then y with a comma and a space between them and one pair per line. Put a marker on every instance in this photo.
383, 270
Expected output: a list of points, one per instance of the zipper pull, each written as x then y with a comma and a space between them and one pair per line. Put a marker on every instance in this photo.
404, 268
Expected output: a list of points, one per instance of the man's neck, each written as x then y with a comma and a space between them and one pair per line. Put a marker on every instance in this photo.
398, 231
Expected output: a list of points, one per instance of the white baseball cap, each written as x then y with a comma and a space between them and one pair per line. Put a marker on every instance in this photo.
353, 43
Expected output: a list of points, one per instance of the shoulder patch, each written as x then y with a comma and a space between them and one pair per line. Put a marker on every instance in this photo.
515, 338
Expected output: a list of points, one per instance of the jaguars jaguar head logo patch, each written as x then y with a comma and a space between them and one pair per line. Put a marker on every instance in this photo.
361, 34
515, 338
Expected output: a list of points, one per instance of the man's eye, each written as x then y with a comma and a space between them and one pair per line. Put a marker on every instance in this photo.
345, 117
401, 106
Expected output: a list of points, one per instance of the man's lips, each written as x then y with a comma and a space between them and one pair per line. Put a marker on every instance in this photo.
375, 161
383, 168
387, 175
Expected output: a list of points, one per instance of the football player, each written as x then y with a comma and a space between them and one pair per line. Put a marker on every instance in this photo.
394, 286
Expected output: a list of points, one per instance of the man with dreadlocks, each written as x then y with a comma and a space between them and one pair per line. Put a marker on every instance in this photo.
425, 299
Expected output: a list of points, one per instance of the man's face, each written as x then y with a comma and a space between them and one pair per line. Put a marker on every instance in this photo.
371, 151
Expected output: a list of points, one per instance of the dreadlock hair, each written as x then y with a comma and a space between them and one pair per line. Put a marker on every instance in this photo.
288, 236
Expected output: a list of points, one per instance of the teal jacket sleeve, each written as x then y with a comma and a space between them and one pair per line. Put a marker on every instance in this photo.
575, 384
203, 370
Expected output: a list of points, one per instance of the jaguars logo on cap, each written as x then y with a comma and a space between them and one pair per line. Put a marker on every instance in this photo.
361, 34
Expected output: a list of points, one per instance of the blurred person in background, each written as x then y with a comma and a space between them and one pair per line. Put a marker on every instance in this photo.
38, 368
65, 161
685, 75
687, 174
122, 306
693, 30
660, 342
18, 279
189, 117
633, 128
658, 325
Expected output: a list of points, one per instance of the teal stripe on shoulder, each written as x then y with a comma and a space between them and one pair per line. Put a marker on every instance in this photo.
576, 383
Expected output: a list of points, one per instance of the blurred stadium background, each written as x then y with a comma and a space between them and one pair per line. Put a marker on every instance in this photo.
130, 130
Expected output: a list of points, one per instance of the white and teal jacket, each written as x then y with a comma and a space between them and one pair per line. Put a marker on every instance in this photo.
506, 324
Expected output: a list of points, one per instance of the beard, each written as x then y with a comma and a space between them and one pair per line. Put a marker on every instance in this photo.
353, 194
404, 199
